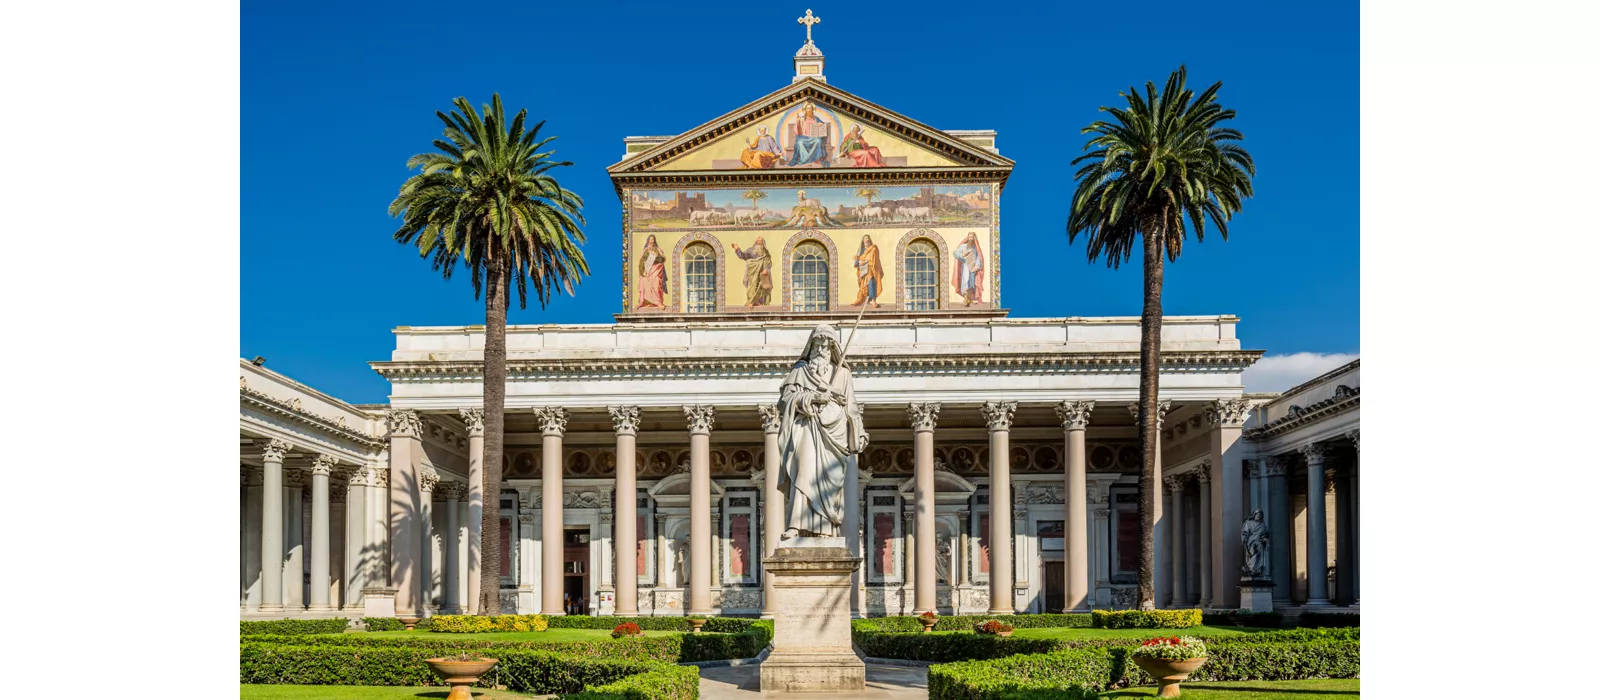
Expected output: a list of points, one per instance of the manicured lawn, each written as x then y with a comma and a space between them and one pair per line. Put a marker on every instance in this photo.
362, 692
1316, 689
549, 635
1095, 633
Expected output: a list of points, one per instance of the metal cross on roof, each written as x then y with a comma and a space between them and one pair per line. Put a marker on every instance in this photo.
809, 20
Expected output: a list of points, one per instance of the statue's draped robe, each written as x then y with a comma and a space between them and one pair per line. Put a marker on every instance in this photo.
967, 275
807, 149
869, 274
815, 444
652, 278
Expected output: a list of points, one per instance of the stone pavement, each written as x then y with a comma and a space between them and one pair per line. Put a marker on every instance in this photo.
884, 682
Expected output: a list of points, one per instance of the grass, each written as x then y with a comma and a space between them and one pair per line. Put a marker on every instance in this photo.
549, 635
363, 692
1315, 689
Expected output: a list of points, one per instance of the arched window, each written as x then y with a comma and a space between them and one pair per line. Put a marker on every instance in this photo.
808, 278
921, 276
700, 278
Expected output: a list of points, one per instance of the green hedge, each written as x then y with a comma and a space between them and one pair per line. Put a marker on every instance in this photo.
965, 646
1084, 672
465, 624
1243, 618
659, 624
961, 623
1147, 619
393, 624
523, 671
666, 648
1329, 619
332, 625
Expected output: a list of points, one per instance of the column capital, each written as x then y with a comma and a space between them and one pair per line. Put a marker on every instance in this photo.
450, 490
625, 419
526, 520
294, 478
1202, 473
1278, 465
404, 423
700, 418
758, 475
1314, 452
770, 423
1252, 468
250, 476
1074, 415
998, 414
924, 416
1354, 437
473, 417
552, 420
323, 464
1229, 413
1161, 411
661, 521
428, 477
1102, 513
963, 515
274, 450
1176, 482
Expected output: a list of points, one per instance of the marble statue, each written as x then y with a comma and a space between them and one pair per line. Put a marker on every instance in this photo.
819, 430
1253, 536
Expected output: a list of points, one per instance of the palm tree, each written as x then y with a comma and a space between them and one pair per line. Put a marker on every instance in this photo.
869, 193
755, 197
487, 200
1164, 158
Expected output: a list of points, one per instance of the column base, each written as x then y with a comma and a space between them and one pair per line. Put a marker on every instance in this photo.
1318, 602
1001, 611
270, 609
319, 607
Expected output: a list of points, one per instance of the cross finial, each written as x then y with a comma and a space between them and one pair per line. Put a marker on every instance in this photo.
809, 20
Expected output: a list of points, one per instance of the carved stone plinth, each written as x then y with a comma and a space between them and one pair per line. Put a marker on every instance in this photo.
811, 649
1255, 594
379, 601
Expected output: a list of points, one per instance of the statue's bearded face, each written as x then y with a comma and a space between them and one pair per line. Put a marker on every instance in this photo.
824, 349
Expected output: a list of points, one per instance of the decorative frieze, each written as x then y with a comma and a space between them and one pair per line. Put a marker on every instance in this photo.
998, 414
924, 416
473, 417
624, 419
552, 420
700, 418
1298, 416
1074, 415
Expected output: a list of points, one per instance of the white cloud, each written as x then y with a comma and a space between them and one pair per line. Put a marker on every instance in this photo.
1284, 372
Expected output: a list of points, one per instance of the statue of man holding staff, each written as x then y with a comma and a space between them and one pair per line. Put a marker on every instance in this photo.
819, 430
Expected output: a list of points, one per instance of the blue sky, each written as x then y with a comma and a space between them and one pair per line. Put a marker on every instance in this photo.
336, 96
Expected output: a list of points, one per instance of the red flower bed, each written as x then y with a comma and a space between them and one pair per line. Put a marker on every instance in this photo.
626, 629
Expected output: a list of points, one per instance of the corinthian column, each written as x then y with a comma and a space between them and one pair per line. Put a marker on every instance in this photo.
625, 419
1203, 480
427, 480
1279, 528
553, 423
321, 468
923, 418
1074, 417
1227, 499
272, 525
700, 419
771, 502
1316, 525
473, 417
450, 491
405, 505
999, 414
1175, 535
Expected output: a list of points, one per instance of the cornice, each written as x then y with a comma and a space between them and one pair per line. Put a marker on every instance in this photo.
1340, 402
862, 365
291, 411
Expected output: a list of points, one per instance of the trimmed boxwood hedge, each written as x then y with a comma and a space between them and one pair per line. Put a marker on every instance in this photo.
964, 646
667, 648
1329, 619
392, 624
332, 625
524, 671
1084, 672
1147, 619
1243, 618
659, 624
461, 624
955, 623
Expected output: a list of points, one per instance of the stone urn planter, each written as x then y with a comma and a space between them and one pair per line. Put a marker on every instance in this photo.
1169, 673
695, 624
927, 625
460, 674
1006, 633
409, 622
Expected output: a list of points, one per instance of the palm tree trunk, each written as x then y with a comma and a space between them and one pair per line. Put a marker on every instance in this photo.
1149, 385
494, 430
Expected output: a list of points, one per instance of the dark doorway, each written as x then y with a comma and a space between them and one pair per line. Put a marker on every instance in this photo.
1055, 586
575, 563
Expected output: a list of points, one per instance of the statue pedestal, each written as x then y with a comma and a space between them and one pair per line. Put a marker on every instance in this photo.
811, 649
1255, 594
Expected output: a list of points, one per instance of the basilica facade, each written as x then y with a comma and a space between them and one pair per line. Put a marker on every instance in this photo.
640, 465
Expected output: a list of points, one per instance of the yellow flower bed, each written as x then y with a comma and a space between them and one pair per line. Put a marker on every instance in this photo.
487, 623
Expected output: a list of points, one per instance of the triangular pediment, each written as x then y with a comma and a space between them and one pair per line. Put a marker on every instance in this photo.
810, 125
